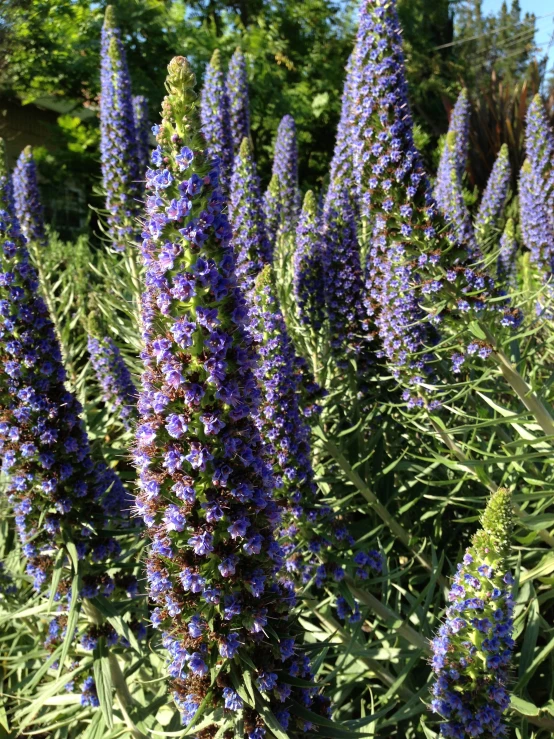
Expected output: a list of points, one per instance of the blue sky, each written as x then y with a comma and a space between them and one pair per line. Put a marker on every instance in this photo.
545, 26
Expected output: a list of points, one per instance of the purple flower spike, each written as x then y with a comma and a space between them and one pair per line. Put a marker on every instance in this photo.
422, 280
56, 489
118, 140
250, 242
308, 267
206, 487
495, 193
142, 129
472, 650
113, 377
536, 190
285, 166
239, 104
28, 206
454, 157
216, 120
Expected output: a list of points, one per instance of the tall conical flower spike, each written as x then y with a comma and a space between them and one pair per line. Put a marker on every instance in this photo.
473, 648
539, 145
55, 488
246, 215
118, 141
285, 166
112, 374
453, 206
495, 193
28, 206
216, 120
506, 268
537, 232
272, 210
142, 129
239, 104
342, 168
308, 284
454, 156
422, 281
206, 490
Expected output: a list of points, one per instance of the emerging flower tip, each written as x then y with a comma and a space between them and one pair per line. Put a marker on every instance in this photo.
497, 520
109, 17
215, 61
310, 203
180, 74
245, 148
265, 278
3, 167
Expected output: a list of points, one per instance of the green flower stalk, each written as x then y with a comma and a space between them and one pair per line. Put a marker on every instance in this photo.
308, 282
272, 210
473, 648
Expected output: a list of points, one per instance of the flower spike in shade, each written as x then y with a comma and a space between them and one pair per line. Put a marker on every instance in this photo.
112, 374
216, 120
56, 489
118, 142
506, 268
454, 157
28, 206
272, 210
246, 215
308, 268
473, 648
285, 166
206, 488
142, 129
495, 193
239, 105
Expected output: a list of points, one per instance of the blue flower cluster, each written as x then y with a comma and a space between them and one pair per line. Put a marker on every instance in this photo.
57, 491
206, 488
216, 120
250, 243
239, 104
118, 141
454, 154
142, 130
28, 206
536, 188
423, 283
506, 268
285, 166
494, 197
473, 648
113, 377
308, 283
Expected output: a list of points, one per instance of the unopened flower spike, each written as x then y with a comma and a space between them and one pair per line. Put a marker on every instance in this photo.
495, 193
239, 104
28, 205
206, 487
216, 120
112, 374
142, 129
250, 243
473, 647
506, 268
308, 283
54, 486
118, 139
